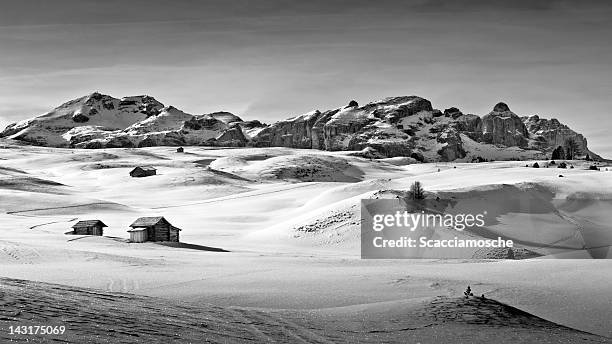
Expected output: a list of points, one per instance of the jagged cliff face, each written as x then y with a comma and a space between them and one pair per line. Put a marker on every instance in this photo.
355, 127
396, 126
409, 126
295, 132
502, 126
347, 128
547, 133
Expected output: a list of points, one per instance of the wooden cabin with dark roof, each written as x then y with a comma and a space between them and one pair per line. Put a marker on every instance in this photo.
88, 227
153, 229
143, 171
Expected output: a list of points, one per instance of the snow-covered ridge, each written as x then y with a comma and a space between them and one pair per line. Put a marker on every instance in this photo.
98, 121
395, 126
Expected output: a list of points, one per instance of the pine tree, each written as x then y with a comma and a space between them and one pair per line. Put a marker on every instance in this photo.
558, 153
416, 191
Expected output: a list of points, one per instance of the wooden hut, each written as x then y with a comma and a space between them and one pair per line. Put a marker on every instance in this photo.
143, 171
180, 150
88, 227
153, 229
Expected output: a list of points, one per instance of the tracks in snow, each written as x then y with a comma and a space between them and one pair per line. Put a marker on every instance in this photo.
226, 198
18, 253
274, 329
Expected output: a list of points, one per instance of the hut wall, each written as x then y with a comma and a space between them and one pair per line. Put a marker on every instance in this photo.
174, 234
138, 236
162, 232
81, 230
97, 230
150, 233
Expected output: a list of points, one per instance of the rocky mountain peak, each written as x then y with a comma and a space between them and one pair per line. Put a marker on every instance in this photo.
504, 127
97, 96
453, 112
501, 107
225, 117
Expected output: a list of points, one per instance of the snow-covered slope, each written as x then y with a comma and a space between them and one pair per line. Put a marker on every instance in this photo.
225, 117
99, 121
290, 219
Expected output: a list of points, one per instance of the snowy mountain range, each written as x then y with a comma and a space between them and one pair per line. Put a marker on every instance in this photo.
395, 126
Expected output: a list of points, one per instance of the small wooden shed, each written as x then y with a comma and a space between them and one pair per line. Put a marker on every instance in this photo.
138, 234
180, 150
143, 171
153, 229
88, 227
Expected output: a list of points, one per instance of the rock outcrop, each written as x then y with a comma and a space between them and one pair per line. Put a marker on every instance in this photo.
470, 125
295, 132
232, 137
453, 145
547, 133
409, 126
391, 127
347, 128
502, 126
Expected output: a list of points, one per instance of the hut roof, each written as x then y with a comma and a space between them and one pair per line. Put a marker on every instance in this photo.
148, 221
145, 168
88, 223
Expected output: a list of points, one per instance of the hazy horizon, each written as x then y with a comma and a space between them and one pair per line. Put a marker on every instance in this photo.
270, 60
